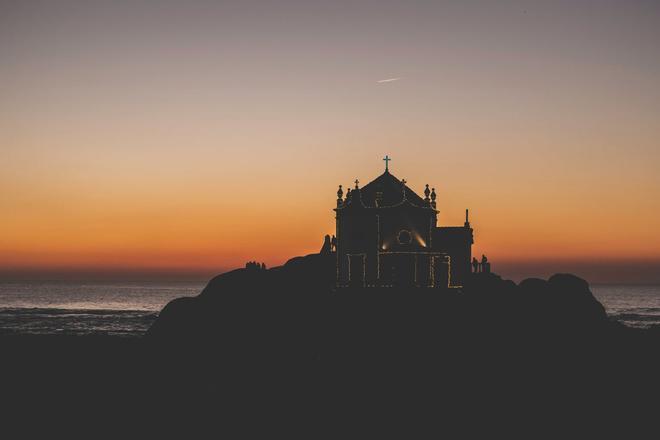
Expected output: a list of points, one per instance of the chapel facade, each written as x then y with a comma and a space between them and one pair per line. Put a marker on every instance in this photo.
388, 236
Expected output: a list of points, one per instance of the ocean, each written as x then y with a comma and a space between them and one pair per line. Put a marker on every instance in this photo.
128, 309
68, 308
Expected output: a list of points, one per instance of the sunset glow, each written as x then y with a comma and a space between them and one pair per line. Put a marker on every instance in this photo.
155, 151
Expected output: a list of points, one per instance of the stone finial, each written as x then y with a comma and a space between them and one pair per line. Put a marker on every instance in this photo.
427, 191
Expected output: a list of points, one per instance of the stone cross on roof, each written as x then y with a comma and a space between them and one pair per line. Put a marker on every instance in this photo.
387, 160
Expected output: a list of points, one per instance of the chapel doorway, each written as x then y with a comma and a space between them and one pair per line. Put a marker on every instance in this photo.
398, 269
441, 271
356, 270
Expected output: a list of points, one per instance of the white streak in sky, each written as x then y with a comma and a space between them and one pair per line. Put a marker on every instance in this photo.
387, 80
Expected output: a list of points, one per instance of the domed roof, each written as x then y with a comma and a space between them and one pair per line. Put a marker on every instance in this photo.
389, 190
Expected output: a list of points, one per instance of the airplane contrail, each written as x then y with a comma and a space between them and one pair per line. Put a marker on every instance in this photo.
387, 80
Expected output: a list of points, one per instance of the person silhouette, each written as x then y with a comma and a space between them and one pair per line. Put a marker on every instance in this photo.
485, 266
475, 265
327, 247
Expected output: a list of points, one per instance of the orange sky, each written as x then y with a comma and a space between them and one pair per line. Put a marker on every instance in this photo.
194, 139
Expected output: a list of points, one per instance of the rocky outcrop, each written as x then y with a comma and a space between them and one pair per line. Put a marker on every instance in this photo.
293, 312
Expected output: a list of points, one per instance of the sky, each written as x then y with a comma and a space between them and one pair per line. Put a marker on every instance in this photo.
181, 139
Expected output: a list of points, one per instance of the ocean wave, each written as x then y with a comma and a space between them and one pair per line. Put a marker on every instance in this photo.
639, 320
27, 311
640, 310
75, 321
635, 317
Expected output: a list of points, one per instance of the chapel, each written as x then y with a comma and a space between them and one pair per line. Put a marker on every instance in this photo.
388, 236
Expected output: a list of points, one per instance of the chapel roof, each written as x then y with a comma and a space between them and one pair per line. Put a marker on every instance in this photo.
391, 192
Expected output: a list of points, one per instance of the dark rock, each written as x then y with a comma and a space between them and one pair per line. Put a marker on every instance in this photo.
294, 312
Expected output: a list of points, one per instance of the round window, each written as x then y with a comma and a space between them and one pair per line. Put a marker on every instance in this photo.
404, 237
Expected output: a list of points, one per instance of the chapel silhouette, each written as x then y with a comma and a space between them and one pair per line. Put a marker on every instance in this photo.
387, 235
